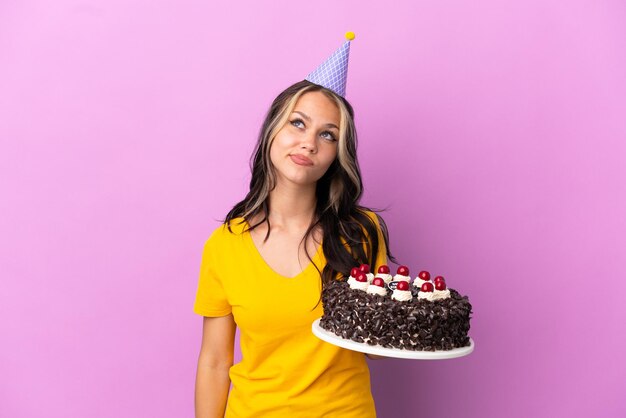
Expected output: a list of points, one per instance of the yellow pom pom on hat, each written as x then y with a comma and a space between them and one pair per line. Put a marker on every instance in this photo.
333, 73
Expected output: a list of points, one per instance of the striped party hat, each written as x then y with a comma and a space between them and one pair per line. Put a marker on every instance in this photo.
333, 72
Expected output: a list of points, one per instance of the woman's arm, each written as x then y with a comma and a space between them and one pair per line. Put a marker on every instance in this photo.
214, 362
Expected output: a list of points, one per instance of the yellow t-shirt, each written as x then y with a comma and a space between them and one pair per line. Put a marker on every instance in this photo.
285, 370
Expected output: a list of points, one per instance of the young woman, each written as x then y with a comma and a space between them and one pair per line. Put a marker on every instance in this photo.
299, 227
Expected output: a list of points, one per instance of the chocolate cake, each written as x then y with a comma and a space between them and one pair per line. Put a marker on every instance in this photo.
418, 322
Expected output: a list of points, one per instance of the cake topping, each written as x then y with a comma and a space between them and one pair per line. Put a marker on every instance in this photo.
360, 282
426, 287
426, 292
402, 292
353, 273
361, 277
377, 287
402, 274
402, 286
365, 268
441, 290
439, 279
421, 278
383, 273
378, 282
384, 269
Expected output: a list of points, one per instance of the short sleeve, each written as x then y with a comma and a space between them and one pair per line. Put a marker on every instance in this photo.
381, 255
210, 296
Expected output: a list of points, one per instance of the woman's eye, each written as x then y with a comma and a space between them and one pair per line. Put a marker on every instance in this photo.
329, 135
298, 123
295, 122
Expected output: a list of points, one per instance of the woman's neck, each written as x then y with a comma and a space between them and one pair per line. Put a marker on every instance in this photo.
292, 205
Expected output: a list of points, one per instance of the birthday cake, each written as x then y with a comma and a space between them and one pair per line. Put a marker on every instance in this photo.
395, 311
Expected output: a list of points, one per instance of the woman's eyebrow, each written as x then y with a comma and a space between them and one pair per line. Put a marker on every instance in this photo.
305, 116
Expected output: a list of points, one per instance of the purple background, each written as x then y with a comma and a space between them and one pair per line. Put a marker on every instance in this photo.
494, 132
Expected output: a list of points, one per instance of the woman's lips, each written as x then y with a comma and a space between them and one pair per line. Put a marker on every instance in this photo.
301, 159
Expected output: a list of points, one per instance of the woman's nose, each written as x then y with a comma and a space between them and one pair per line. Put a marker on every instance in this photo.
309, 142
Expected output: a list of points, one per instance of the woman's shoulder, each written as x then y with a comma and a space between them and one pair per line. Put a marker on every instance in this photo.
373, 216
227, 231
370, 213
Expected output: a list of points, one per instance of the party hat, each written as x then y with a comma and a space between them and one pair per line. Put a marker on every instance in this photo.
333, 72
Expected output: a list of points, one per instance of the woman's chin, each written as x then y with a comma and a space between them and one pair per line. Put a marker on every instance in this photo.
298, 181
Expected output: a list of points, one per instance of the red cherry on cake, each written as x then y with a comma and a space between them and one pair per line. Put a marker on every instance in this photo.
424, 275
365, 268
439, 279
440, 285
403, 285
354, 271
403, 271
361, 277
427, 287
378, 282
383, 269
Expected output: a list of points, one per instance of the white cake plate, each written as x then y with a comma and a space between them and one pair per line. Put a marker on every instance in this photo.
378, 350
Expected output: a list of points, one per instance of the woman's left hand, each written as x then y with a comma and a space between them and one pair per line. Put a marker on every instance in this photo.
374, 357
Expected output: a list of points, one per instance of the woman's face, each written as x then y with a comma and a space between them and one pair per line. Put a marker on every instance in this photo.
306, 145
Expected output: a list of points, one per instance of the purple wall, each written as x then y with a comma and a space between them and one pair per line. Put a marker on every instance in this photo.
493, 131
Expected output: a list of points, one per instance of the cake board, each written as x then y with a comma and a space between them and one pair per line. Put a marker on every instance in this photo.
378, 350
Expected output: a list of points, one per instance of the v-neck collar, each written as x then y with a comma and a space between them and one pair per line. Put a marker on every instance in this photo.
253, 248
